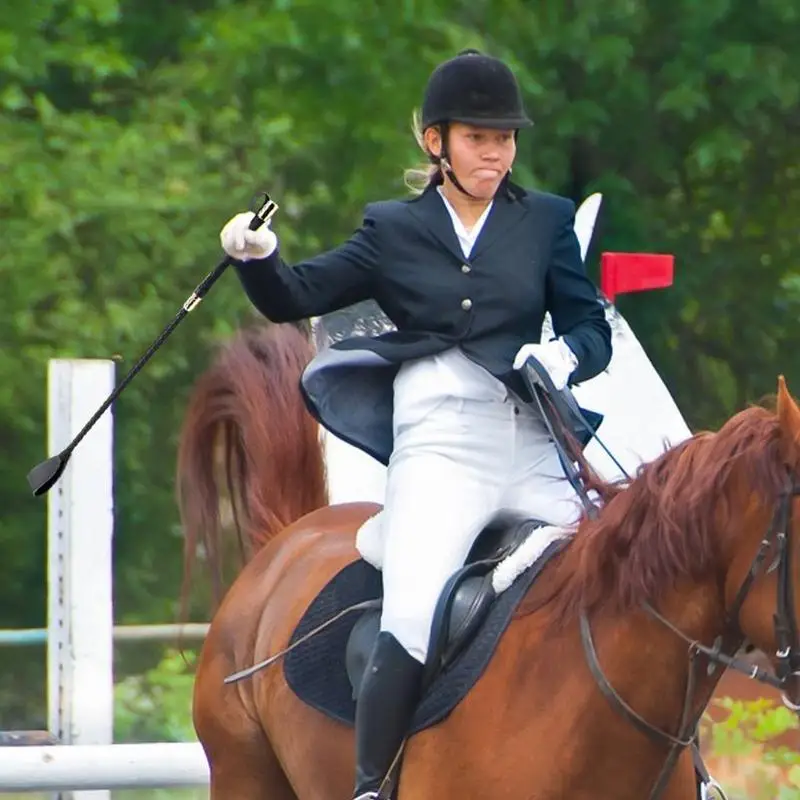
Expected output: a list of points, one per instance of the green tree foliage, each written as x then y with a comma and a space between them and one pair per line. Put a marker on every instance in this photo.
155, 706
131, 131
750, 736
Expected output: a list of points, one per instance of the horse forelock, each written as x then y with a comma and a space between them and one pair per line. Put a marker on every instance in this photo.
670, 523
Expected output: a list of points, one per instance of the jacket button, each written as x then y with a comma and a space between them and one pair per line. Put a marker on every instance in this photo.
466, 268
466, 304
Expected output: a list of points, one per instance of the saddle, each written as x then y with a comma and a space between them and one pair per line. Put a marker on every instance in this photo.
330, 646
461, 609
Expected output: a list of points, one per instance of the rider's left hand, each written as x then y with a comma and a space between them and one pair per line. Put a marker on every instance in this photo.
555, 356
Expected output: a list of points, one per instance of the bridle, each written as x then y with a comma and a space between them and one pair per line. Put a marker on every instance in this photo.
778, 539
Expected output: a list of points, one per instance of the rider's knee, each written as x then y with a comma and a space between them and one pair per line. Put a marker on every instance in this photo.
412, 632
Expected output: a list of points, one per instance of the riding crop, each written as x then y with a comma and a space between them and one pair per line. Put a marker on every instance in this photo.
44, 475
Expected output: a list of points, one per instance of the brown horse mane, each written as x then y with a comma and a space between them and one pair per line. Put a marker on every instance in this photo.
246, 438
666, 524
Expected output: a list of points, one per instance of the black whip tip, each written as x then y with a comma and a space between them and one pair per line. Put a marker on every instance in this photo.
43, 476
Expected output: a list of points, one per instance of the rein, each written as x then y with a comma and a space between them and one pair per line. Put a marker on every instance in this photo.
537, 378
723, 651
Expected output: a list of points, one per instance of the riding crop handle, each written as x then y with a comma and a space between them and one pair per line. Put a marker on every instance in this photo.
44, 475
263, 215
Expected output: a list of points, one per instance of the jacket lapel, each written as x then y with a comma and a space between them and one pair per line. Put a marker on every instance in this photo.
504, 215
429, 209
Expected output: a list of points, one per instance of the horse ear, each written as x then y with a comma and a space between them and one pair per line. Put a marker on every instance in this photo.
788, 413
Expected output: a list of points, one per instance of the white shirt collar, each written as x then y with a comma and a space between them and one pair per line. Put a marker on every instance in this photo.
466, 238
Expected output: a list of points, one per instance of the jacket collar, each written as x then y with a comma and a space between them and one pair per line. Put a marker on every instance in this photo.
506, 212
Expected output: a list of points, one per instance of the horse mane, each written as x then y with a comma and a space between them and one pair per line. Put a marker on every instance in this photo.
249, 454
665, 526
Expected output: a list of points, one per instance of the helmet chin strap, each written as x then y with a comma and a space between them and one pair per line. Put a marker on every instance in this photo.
448, 170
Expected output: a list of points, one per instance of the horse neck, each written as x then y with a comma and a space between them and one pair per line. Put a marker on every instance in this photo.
645, 650
648, 664
645, 661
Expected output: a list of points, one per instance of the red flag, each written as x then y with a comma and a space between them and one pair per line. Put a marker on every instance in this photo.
634, 272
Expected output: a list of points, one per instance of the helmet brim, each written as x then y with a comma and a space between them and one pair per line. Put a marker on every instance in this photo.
504, 123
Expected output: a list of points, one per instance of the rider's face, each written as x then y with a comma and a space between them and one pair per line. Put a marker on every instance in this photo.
480, 157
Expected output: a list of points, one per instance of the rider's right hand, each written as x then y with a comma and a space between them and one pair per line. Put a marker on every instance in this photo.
239, 242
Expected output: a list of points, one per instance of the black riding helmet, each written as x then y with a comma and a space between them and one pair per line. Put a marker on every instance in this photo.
474, 89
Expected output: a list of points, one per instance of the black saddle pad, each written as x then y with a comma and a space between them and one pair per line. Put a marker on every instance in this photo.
315, 670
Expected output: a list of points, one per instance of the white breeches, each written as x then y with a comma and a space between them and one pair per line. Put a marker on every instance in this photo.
451, 471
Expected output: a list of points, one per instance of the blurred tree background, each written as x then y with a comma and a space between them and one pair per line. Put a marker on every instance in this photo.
131, 131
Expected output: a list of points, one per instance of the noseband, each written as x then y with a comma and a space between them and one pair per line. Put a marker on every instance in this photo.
722, 653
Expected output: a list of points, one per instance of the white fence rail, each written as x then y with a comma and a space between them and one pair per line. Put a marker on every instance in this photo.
88, 767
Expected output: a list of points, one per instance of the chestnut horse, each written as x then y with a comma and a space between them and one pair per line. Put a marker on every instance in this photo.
584, 694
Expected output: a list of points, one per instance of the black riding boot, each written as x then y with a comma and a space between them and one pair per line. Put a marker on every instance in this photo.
386, 704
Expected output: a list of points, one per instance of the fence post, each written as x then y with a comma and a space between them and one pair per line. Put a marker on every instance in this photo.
80, 532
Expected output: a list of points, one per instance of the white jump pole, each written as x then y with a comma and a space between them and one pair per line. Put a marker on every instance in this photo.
80, 532
87, 767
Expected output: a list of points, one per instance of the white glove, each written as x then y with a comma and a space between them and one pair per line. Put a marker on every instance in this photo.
555, 356
239, 242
